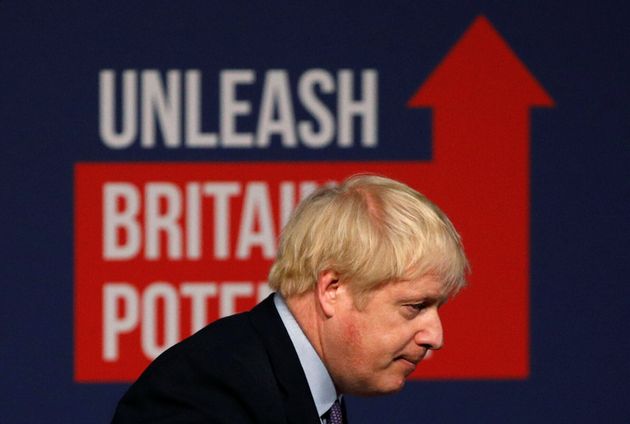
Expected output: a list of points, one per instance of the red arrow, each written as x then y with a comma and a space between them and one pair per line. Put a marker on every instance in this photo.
480, 89
481, 95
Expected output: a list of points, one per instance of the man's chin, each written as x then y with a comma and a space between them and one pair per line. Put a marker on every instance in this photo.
381, 389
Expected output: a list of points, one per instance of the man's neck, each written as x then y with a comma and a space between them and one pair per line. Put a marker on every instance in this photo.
309, 317
319, 381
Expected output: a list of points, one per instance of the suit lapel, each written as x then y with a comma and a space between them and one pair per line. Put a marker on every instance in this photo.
298, 401
344, 412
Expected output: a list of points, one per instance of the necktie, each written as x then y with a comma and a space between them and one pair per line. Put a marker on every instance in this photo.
334, 414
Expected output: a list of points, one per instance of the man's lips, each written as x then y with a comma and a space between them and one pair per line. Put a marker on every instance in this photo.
411, 360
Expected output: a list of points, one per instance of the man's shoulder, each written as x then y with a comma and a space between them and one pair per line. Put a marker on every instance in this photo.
228, 331
222, 367
229, 340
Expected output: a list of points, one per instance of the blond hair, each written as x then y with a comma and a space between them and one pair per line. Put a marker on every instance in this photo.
370, 230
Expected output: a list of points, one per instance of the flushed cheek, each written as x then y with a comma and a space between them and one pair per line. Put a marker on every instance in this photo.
365, 351
352, 330
351, 337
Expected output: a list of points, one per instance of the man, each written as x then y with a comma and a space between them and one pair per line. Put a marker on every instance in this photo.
361, 272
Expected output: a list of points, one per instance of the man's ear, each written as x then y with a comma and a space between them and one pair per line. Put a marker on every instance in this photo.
326, 290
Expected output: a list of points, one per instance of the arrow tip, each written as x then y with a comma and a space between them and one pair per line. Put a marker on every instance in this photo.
481, 68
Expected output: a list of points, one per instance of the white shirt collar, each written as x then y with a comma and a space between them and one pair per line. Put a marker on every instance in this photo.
319, 381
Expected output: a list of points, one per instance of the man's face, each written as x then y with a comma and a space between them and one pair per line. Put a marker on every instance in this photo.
371, 350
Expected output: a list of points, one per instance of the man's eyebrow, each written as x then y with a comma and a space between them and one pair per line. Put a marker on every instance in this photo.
427, 298
436, 299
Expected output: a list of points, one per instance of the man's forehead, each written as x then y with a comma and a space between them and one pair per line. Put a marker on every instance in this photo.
413, 290
424, 286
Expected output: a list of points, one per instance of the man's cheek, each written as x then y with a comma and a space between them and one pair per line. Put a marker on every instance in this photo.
351, 334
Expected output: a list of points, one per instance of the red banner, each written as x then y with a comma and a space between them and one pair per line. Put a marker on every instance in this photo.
162, 249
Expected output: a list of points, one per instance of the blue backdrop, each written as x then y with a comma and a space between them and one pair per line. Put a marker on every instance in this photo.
51, 54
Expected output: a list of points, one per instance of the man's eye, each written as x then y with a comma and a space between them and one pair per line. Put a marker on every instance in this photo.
417, 306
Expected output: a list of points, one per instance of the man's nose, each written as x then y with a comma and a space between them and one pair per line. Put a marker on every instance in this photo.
430, 333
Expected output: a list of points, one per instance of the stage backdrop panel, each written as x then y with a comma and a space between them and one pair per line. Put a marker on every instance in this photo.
151, 154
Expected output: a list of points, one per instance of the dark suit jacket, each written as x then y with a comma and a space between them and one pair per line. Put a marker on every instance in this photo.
240, 369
